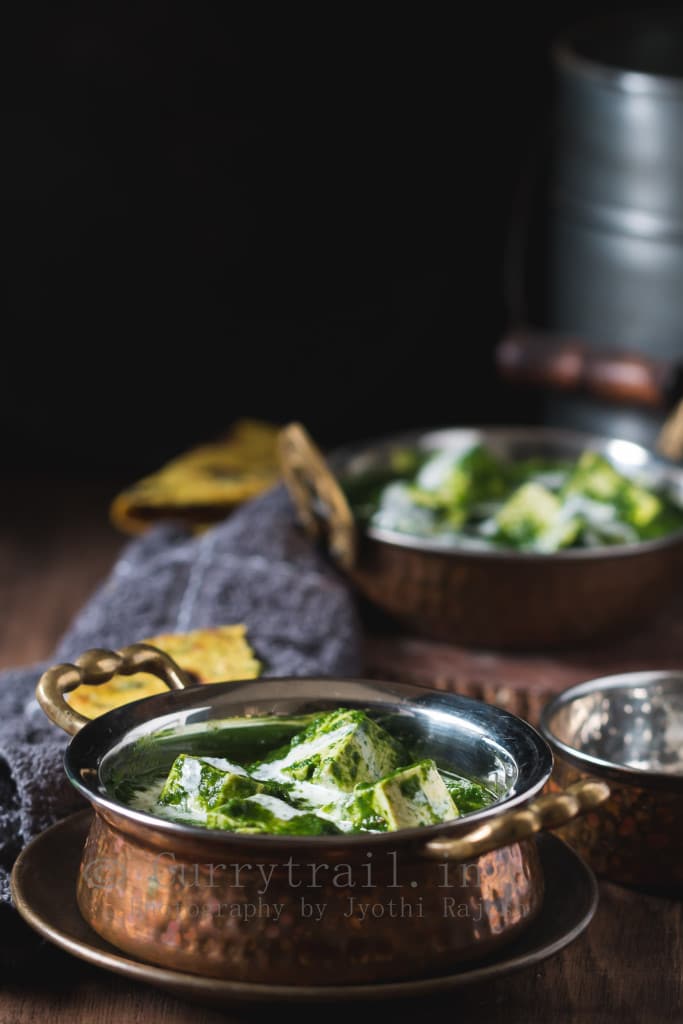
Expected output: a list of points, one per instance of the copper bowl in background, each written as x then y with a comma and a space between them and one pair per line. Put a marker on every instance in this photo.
626, 730
487, 598
163, 891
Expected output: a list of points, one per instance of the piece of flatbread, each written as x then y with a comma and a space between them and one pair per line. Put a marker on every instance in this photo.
204, 484
220, 654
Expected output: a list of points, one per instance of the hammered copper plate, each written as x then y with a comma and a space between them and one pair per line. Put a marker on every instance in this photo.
46, 900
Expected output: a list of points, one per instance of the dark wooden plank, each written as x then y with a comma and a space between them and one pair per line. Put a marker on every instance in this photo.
56, 545
96, 998
624, 970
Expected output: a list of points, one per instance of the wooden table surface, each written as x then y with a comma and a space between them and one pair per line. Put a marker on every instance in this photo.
628, 966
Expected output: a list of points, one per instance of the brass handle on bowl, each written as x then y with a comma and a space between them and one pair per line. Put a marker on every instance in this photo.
98, 666
548, 811
319, 500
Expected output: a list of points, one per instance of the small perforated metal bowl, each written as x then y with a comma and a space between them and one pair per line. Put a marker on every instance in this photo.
627, 729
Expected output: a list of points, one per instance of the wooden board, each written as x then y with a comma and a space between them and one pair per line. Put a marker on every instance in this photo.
522, 682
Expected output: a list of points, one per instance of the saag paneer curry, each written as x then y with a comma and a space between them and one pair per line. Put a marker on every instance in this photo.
342, 773
476, 499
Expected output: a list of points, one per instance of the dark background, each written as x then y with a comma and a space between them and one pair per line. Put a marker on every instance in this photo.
289, 219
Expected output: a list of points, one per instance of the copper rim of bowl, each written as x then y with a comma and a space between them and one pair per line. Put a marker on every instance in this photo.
614, 770
574, 441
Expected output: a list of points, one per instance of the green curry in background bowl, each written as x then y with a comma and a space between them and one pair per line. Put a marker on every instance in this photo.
342, 772
517, 538
477, 498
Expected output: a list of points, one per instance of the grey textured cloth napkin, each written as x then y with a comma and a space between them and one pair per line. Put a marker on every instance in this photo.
257, 567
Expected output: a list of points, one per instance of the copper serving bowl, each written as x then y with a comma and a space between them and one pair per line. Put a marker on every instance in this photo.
485, 597
628, 730
305, 910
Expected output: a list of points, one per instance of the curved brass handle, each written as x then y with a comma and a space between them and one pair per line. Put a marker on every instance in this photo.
549, 811
98, 666
311, 483
670, 438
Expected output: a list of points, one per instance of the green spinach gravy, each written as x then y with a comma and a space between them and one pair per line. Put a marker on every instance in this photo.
476, 499
342, 772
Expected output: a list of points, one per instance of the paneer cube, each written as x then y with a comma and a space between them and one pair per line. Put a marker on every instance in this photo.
401, 508
196, 785
450, 481
596, 477
338, 750
416, 795
641, 507
533, 518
